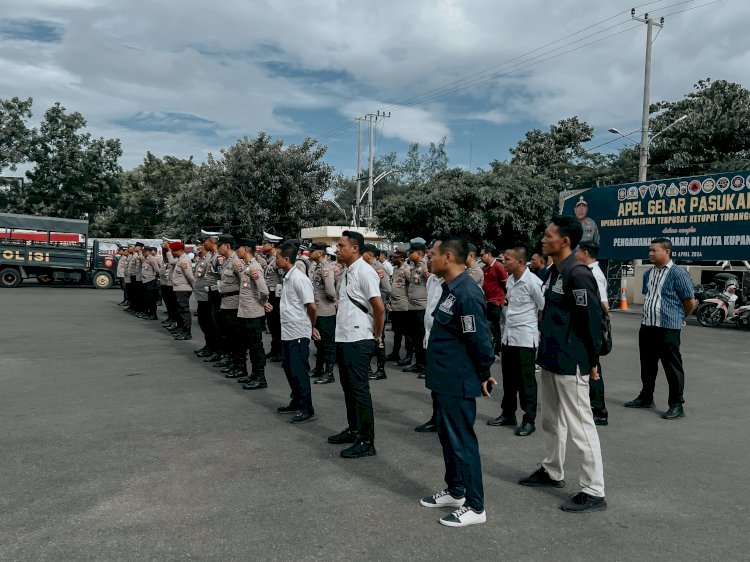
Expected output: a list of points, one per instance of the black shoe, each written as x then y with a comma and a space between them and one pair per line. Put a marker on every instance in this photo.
345, 436
393, 357
583, 503
359, 449
427, 427
236, 373
226, 362
183, 337
166, 322
275, 359
206, 353
258, 384
421, 375
503, 420
327, 377
316, 372
405, 361
416, 368
377, 375
525, 429
674, 412
151, 317
540, 479
303, 417
245, 379
638, 403
598, 420
214, 358
290, 409
201, 350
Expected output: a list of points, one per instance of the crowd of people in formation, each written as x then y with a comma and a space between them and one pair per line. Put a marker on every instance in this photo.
454, 308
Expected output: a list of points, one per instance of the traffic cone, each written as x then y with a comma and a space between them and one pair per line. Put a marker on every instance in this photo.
623, 298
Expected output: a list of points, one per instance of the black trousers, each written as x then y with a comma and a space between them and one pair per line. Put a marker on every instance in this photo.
140, 295
416, 333
124, 288
519, 379
400, 325
295, 361
494, 313
252, 334
170, 303
205, 321
455, 419
326, 345
184, 318
232, 332
273, 319
151, 295
661, 344
217, 338
596, 395
354, 370
134, 296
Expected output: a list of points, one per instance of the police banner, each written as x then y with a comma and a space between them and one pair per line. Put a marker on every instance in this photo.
706, 217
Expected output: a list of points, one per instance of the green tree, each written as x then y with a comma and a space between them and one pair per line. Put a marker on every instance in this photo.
14, 133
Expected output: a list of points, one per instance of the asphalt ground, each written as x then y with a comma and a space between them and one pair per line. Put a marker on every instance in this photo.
118, 444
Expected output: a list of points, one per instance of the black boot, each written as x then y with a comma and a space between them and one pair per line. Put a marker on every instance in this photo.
258, 383
327, 376
316, 372
406, 360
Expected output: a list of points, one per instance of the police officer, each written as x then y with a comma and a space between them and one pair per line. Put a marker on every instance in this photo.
417, 291
229, 288
370, 256
211, 274
150, 278
182, 284
200, 291
458, 371
273, 281
323, 279
122, 266
399, 309
590, 230
167, 290
131, 273
251, 313
473, 267
138, 287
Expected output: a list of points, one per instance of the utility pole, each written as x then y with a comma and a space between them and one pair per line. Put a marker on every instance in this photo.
359, 168
645, 127
373, 121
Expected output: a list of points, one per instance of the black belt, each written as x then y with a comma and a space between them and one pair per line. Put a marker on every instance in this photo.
229, 294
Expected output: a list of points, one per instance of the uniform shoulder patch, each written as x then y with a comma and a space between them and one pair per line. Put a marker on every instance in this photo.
581, 297
184, 265
447, 305
468, 324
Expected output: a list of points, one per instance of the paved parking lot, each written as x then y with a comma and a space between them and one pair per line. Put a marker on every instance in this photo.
119, 444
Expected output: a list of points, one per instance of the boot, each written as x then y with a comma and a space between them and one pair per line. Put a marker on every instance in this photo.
236, 373
406, 360
225, 362
316, 372
327, 376
216, 356
393, 356
258, 383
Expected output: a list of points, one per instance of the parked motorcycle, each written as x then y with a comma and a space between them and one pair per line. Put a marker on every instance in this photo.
725, 308
713, 290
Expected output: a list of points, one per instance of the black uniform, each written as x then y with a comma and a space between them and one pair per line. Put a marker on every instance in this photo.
459, 360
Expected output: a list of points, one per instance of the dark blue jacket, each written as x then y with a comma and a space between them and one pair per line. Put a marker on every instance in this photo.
571, 326
459, 351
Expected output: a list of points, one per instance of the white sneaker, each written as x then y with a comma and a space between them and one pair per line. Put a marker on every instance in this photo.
463, 517
442, 499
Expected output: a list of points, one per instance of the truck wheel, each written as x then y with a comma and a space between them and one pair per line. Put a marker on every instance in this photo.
102, 280
10, 278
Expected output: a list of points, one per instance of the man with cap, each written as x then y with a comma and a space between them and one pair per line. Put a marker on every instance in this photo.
324, 290
150, 278
417, 291
302, 262
229, 289
472, 266
200, 291
210, 276
131, 274
370, 256
138, 282
167, 290
122, 266
182, 284
590, 230
273, 281
251, 313
399, 308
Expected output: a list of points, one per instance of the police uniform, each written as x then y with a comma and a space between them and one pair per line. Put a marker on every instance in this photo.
133, 288
122, 266
273, 318
167, 290
150, 278
323, 278
459, 360
251, 316
590, 230
417, 291
229, 289
182, 285
400, 312
205, 282
476, 273
385, 291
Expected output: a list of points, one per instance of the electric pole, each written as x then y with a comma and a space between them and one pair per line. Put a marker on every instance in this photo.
645, 126
373, 121
359, 169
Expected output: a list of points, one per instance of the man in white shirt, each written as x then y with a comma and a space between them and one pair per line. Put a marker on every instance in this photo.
387, 265
520, 338
359, 325
434, 292
298, 315
587, 253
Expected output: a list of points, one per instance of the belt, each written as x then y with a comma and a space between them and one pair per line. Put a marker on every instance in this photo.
229, 294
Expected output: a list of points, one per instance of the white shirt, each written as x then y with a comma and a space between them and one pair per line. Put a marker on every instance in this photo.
525, 299
601, 281
434, 291
361, 283
296, 292
388, 266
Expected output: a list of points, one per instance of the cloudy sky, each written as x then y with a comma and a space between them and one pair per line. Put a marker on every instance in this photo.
189, 77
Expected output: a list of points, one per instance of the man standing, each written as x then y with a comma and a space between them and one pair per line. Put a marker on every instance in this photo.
387, 265
370, 251
458, 371
494, 290
359, 325
520, 339
669, 299
150, 278
568, 354
587, 253
167, 290
141, 300
122, 267
417, 290
211, 277
399, 309
200, 291
273, 318
297, 320
182, 284
474, 269
539, 266
324, 289
229, 289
